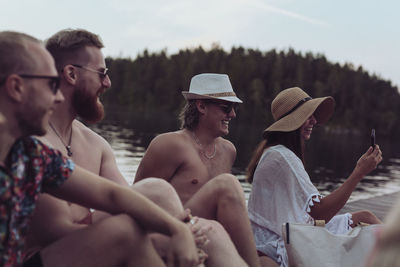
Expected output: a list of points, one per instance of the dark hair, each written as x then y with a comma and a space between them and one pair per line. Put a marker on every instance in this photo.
189, 115
66, 46
292, 140
15, 54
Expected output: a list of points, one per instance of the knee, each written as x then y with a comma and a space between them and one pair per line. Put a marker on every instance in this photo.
161, 193
365, 216
229, 186
216, 230
123, 231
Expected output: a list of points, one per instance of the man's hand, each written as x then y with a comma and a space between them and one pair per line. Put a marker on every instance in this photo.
183, 250
199, 231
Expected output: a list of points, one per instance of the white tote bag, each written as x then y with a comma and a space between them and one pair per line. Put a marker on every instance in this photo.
310, 246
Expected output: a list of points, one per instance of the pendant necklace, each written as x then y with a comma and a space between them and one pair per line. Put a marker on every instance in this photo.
203, 149
67, 147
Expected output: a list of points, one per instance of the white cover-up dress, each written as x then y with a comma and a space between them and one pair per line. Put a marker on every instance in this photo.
283, 192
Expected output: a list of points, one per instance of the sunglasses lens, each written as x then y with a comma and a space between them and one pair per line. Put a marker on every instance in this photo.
55, 84
227, 108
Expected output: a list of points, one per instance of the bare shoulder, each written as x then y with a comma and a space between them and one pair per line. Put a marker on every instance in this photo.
227, 145
171, 140
89, 135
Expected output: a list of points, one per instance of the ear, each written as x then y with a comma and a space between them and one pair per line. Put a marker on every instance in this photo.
15, 88
201, 106
69, 74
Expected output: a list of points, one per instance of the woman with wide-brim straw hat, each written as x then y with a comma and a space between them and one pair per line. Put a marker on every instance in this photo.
281, 188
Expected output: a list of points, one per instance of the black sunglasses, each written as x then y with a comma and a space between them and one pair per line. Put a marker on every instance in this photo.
103, 73
226, 107
54, 82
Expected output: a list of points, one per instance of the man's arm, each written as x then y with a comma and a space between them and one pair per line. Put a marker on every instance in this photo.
108, 164
86, 189
108, 167
162, 158
52, 220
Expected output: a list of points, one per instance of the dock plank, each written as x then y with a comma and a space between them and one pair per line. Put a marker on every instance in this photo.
379, 205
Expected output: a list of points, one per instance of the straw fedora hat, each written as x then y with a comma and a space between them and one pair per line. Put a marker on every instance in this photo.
292, 107
211, 86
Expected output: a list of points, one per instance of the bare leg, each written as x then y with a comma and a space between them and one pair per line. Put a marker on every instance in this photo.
161, 193
222, 199
268, 262
221, 251
114, 241
364, 216
157, 190
164, 195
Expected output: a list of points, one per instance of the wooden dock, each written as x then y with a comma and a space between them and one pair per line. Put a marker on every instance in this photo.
379, 205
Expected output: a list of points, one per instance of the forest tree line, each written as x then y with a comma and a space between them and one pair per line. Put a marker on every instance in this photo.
151, 85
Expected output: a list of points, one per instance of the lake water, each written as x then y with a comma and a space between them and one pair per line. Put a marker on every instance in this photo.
329, 160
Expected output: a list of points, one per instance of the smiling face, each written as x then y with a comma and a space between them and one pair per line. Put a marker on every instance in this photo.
39, 100
90, 85
307, 127
220, 114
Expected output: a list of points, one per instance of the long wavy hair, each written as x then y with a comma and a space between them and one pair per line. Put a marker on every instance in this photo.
291, 140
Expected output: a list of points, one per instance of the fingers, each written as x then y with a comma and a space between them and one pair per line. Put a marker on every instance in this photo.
199, 228
185, 216
378, 153
201, 241
370, 150
173, 261
202, 256
376, 156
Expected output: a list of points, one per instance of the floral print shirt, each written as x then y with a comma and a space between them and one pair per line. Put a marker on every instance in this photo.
32, 167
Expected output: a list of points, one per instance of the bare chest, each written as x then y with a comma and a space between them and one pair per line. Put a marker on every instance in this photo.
83, 153
196, 171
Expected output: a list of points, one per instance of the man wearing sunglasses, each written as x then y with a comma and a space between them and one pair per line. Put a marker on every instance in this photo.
197, 160
28, 96
84, 78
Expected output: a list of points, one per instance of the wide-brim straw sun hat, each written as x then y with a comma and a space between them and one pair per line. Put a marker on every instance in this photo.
292, 107
211, 86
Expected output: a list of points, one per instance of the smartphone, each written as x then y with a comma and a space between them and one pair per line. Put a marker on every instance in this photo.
373, 138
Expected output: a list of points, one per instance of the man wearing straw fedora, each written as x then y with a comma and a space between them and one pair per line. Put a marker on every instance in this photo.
197, 160
83, 78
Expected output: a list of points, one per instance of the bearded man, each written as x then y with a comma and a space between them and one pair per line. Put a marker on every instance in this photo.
82, 69
83, 78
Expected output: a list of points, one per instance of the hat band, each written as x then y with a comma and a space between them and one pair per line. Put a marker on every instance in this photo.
221, 94
301, 102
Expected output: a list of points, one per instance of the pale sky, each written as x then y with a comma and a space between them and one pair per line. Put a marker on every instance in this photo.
361, 32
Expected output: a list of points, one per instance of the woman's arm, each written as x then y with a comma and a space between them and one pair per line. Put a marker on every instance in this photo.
334, 202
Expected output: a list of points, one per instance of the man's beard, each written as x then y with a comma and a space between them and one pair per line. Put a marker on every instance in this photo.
30, 121
86, 106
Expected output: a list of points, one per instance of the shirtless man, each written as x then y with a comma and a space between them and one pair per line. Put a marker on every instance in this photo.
83, 72
28, 95
197, 160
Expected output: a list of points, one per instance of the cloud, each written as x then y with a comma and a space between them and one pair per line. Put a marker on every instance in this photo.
287, 13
